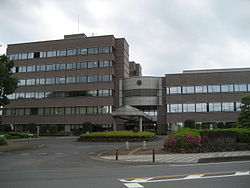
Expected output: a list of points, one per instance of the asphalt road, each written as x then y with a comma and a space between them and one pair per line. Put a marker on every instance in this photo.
65, 163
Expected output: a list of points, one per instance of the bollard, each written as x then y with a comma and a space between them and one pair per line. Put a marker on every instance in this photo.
153, 155
116, 155
144, 145
127, 145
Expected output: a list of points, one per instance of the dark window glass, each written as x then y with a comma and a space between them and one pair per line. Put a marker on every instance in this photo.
81, 79
60, 80
50, 81
71, 52
104, 49
51, 67
82, 51
92, 78
34, 111
71, 66
36, 54
70, 79
93, 50
61, 53
81, 65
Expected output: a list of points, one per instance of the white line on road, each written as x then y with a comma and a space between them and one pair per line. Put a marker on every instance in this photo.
194, 176
133, 185
207, 164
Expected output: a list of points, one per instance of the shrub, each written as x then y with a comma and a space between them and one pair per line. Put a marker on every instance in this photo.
118, 134
3, 142
243, 135
52, 129
189, 123
87, 127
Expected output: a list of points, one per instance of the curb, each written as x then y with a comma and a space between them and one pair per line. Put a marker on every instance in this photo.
22, 147
224, 159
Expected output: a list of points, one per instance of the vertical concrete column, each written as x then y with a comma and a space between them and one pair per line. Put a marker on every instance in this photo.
140, 123
114, 124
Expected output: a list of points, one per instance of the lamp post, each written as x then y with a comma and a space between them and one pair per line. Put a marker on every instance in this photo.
1, 107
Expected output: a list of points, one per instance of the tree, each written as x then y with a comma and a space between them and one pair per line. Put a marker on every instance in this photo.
87, 127
189, 123
8, 84
244, 116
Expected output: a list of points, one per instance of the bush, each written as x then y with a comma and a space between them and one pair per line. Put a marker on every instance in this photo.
3, 142
52, 129
118, 134
243, 135
189, 123
87, 127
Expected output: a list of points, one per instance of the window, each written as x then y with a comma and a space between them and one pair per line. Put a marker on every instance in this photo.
50, 81
22, 69
81, 65
51, 67
40, 111
48, 111
228, 106
227, 88
214, 107
13, 56
68, 110
93, 50
61, 53
59, 111
105, 49
188, 107
30, 55
61, 80
90, 110
103, 109
40, 81
51, 53
92, 93
41, 68
21, 96
92, 64
175, 108
71, 52
248, 85
30, 95
104, 78
41, 95
105, 92
237, 106
43, 54
105, 63
22, 82
92, 78
174, 90
188, 89
214, 88
82, 110
201, 107
200, 89
23, 56
31, 68
71, 66
31, 82
34, 111
81, 79
82, 51
240, 87
36, 54
70, 79
60, 66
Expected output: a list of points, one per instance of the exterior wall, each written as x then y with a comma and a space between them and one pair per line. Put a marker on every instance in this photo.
120, 69
206, 78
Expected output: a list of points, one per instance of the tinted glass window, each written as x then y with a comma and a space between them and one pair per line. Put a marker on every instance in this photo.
92, 50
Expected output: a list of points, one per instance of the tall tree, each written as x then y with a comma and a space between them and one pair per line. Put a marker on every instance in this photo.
244, 116
8, 84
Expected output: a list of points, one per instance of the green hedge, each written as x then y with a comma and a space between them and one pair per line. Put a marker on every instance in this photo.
14, 135
3, 142
118, 134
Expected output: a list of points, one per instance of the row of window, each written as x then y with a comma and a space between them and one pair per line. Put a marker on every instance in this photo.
204, 107
59, 53
63, 66
65, 80
208, 89
80, 110
61, 94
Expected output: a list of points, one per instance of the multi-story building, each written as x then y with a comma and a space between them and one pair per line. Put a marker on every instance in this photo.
77, 79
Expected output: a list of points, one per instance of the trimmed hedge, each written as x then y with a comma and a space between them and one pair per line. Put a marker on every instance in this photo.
117, 136
14, 135
3, 142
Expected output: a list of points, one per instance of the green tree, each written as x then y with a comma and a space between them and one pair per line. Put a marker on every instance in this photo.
244, 116
8, 84
87, 127
189, 123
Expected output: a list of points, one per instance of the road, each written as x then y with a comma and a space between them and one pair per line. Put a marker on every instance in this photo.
65, 163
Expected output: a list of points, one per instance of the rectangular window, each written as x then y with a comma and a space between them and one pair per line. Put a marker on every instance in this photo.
71, 79
81, 65
71, 52
61, 66
40, 111
227, 88
31, 68
51, 67
41, 95
43, 54
50, 81
92, 93
188, 107
30, 55
238, 105
71, 66
105, 49
92, 78
201, 107
82, 110
31, 82
59, 111
105, 92
187, 89
60, 80
214, 88
93, 50
92, 64
82, 51
13, 56
214, 107
48, 111
22, 82
90, 110
103, 109
51, 53
227, 106
41, 68
22, 69
61, 53
175, 90
175, 108
104, 78
23, 56
200, 89
240, 87
68, 111
248, 85
105, 63
81, 79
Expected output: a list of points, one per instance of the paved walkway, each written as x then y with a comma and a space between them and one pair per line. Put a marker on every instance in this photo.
177, 158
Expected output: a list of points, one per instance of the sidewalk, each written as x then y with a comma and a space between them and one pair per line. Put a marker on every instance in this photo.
183, 158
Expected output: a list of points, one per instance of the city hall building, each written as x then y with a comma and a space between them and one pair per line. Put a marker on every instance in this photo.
90, 79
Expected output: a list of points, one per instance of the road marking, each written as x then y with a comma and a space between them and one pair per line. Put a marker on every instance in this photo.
133, 185
184, 177
205, 164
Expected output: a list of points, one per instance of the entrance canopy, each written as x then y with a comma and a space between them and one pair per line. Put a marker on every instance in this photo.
130, 113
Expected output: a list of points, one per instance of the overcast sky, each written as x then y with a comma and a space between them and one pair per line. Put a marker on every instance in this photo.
165, 36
